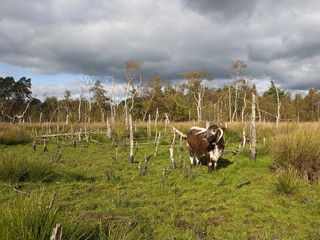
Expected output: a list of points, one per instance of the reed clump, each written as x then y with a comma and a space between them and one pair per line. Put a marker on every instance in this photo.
298, 148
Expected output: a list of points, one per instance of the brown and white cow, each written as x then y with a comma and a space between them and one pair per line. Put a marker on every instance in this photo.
206, 142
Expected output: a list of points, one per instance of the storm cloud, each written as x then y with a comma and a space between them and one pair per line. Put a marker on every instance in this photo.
278, 40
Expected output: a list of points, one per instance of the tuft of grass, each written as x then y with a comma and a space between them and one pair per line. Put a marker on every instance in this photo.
13, 135
76, 175
31, 218
22, 168
27, 218
297, 149
288, 181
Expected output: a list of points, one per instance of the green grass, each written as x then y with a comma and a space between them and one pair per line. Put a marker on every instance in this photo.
125, 205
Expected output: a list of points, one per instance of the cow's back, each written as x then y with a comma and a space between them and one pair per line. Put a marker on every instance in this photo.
195, 140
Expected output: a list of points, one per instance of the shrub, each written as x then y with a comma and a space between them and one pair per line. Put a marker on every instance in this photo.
298, 149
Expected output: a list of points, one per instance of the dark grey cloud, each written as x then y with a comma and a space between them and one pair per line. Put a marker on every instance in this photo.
223, 9
279, 40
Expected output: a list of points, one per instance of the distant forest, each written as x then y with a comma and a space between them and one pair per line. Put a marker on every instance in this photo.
185, 101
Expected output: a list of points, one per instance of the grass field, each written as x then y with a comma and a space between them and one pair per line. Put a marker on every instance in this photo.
101, 197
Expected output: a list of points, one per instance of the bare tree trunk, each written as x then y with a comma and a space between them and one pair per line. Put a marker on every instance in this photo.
234, 115
157, 145
253, 153
279, 105
126, 110
199, 107
108, 129
157, 115
112, 103
79, 109
244, 107
131, 140
230, 110
173, 166
149, 126
56, 232
40, 120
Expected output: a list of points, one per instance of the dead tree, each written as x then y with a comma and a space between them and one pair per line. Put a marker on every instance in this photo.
156, 119
149, 126
56, 232
253, 153
174, 129
131, 140
157, 145
89, 82
279, 105
108, 129
13, 118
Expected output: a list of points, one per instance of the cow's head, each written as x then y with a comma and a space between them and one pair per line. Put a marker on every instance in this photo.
213, 133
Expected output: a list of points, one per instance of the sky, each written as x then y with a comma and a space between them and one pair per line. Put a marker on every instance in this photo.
57, 42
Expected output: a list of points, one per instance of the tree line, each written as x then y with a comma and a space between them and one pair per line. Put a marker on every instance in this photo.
190, 99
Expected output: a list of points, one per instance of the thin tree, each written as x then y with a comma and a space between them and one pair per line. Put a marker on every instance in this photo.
196, 87
99, 96
133, 72
237, 76
89, 81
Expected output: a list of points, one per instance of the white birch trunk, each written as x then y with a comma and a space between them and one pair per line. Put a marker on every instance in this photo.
108, 129
244, 107
253, 153
131, 140
157, 115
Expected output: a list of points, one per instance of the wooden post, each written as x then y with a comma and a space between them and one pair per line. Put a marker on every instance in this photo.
253, 153
131, 140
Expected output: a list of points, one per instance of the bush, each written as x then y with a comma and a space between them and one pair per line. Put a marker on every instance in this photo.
298, 149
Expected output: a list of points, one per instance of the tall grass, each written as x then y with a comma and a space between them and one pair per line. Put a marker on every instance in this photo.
14, 134
31, 218
15, 168
297, 147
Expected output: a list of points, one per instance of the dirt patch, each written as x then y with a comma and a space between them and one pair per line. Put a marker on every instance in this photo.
213, 209
216, 221
184, 224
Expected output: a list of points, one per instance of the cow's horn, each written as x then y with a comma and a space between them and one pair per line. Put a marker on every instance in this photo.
202, 131
220, 134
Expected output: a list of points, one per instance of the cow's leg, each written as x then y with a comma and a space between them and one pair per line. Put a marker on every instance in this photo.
215, 156
209, 163
198, 159
191, 158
